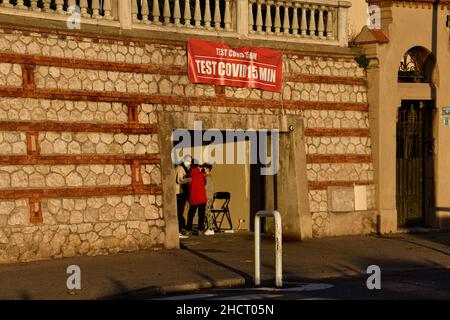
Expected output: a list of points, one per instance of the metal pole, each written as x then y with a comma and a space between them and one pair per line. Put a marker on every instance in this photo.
278, 247
257, 251
278, 250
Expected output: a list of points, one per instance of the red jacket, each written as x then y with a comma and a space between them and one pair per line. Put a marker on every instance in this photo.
197, 192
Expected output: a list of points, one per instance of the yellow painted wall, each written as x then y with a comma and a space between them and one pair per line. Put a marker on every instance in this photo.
357, 16
235, 179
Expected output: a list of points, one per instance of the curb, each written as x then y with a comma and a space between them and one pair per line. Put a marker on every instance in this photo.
144, 293
201, 285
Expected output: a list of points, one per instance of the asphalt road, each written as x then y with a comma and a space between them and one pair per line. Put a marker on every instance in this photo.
428, 284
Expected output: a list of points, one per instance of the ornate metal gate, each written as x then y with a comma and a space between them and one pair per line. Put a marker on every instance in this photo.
412, 151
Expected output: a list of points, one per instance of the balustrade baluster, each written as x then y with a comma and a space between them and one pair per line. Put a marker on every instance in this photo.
166, 13
177, 13
227, 17
330, 27
286, 22
197, 14
321, 25
47, 5
218, 19
96, 9
70, 3
312, 22
277, 24
259, 21
59, 6
20, 5
187, 14
5, 3
295, 20
207, 16
107, 7
304, 25
145, 11
250, 16
155, 12
268, 20
84, 7
134, 10
34, 5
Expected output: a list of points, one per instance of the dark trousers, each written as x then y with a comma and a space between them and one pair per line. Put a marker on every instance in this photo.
201, 216
181, 203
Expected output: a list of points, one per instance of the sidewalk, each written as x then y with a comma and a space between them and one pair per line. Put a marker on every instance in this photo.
222, 260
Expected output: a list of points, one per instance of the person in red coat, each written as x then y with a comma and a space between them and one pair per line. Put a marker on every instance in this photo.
197, 197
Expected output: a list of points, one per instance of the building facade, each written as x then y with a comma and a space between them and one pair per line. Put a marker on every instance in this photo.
88, 106
409, 98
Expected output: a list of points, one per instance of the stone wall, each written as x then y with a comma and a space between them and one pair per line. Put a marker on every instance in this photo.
80, 226
80, 170
77, 176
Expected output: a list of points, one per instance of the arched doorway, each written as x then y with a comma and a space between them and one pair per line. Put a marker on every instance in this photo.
414, 152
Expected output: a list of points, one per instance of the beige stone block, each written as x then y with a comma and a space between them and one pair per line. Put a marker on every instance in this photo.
80, 204
144, 228
102, 179
107, 232
95, 202
5, 180
84, 248
91, 215
133, 224
55, 180
37, 180
19, 216
92, 236
6, 207
3, 237
54, 205
151, 212
120, 232
76, 217
19, 179
122, 211
106, 213
165, 87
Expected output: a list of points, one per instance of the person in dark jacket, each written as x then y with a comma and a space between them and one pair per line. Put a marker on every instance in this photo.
182, 189
197, 197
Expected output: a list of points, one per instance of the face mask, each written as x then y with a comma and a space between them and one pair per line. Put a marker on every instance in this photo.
187, 163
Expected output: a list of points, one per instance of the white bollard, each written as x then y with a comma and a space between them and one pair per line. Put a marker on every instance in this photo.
278, 247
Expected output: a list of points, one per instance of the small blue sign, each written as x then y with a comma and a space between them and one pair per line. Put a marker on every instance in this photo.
446, 115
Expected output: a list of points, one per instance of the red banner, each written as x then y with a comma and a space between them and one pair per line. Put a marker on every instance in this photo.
246, 67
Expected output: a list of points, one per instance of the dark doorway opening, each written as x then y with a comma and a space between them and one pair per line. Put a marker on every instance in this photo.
257, 194
263, 188
415, 163
244, 203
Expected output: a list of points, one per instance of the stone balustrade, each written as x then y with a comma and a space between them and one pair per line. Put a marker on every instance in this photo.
302, 21
207, 15
317, 20
94, 9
